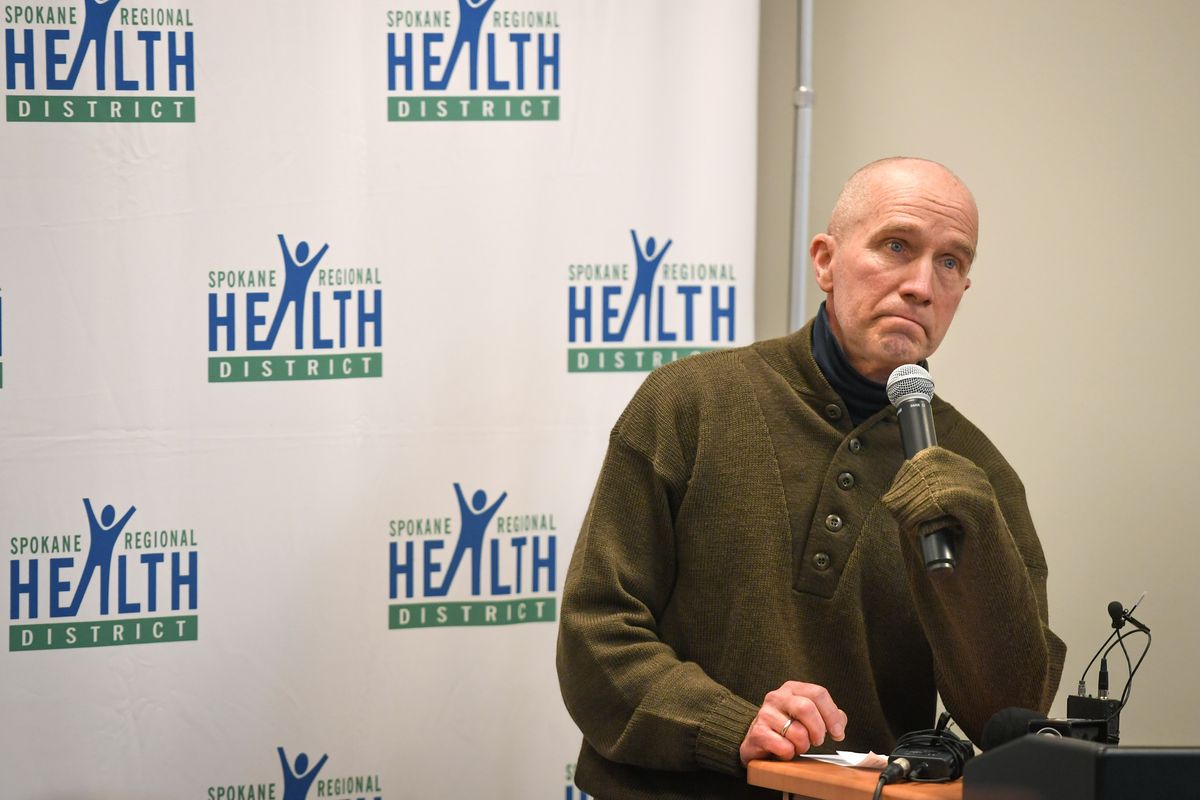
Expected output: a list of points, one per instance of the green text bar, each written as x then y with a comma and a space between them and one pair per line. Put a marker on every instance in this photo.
77, 108
474, 613
626, 359
239, 369
493, 108
102, 633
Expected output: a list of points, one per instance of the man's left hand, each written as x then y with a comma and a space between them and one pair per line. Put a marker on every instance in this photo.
793, 718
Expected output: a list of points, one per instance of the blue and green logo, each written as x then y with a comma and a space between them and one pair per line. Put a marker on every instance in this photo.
633, 320
67, 578
477, 63
99, 61
483, 569
310, 319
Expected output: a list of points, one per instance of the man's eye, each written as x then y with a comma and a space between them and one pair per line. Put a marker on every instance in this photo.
950, 262
895, 246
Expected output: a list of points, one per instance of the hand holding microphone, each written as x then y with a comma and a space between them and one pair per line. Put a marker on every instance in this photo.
910, 390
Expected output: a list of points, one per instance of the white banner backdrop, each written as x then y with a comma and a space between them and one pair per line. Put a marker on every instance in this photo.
314, 319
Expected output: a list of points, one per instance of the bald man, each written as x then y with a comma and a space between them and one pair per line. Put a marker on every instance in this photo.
748, 582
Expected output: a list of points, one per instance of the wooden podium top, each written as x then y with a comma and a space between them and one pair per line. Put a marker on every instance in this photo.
805, 778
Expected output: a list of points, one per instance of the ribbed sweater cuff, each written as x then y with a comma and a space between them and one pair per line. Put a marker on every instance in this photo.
937, 484
911, 499
719, 742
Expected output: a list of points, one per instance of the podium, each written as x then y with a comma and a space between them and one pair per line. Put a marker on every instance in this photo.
805, 779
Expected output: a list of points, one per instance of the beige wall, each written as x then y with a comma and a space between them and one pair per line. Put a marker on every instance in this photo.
1077, 125
776, 165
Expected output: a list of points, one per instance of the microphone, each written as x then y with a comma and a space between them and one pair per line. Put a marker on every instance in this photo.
1120, 616
910, 390
1006, 725
1013, 723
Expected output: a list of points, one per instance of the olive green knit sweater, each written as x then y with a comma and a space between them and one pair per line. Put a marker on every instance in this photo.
743, 532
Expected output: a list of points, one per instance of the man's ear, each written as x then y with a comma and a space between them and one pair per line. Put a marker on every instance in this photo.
821, 254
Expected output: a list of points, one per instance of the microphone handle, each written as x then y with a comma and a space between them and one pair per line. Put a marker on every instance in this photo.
916, 425
916, 433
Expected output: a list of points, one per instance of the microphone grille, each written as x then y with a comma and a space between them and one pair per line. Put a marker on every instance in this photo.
907, 380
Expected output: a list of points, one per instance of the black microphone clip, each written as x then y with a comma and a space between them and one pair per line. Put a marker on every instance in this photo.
1121, 615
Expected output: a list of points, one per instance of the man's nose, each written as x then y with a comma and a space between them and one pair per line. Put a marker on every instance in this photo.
917, 284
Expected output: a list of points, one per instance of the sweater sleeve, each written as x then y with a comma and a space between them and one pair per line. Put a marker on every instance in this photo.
635, 700
987, 620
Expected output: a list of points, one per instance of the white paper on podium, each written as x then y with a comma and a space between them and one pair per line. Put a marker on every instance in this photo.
847, 758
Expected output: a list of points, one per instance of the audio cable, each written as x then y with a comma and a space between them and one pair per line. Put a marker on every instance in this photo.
930, 756
1130, 666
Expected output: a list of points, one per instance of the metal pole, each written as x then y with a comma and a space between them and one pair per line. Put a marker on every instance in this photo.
803, 99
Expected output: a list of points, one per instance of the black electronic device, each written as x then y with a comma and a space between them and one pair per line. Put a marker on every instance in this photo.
932, 756
1106, 709
926, 763
1089, 730
1053, 768
1013, 723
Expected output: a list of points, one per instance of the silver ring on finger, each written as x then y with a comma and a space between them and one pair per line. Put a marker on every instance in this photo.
783, 731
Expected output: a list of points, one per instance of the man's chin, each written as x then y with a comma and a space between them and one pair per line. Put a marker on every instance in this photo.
897, 350
883, 354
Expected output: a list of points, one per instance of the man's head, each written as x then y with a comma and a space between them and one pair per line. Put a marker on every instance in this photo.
894, 261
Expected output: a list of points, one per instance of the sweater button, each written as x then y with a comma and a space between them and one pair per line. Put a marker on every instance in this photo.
855, 445
833, 522
845, 480
822, 561
833, 411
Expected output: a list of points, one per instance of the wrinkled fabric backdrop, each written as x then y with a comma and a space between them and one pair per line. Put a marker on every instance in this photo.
314, 320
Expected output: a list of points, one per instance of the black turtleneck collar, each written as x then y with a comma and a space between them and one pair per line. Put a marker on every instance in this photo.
862, 396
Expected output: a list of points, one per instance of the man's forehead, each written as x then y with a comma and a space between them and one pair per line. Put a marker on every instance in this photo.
901, 180
919, 178
921, 195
